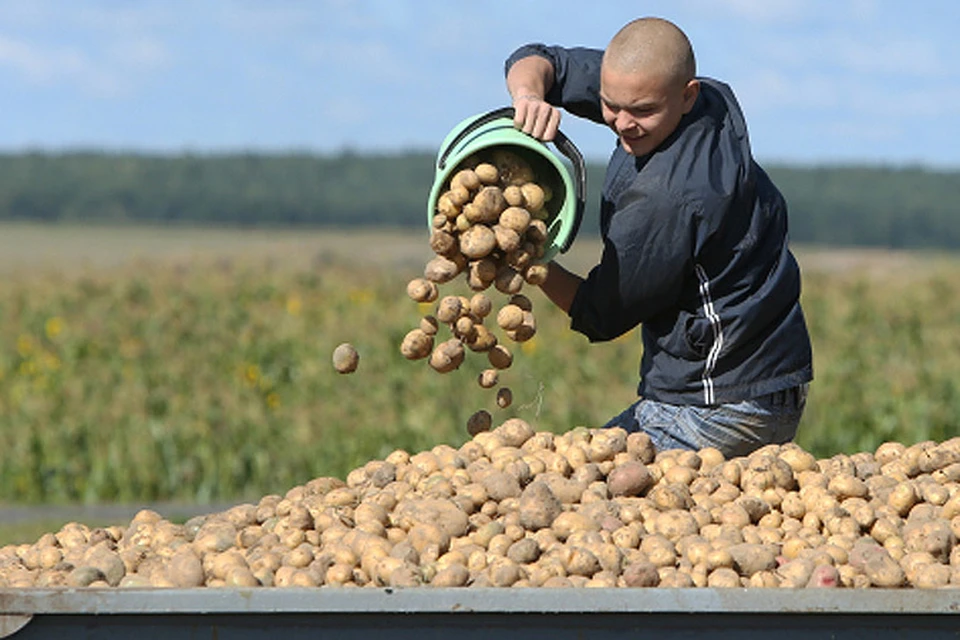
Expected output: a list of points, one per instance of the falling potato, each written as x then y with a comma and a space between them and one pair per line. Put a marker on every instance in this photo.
479, 422
488, 378
345, 358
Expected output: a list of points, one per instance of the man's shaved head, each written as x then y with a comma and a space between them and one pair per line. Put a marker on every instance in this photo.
652, 46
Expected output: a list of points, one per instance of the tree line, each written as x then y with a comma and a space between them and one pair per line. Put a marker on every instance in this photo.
896, 207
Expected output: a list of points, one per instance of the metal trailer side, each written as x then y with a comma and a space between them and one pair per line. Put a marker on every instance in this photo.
464, 614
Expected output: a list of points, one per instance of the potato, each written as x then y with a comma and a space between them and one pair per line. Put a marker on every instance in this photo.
480, 305
416, 345
488, 378
454, 575
487, 173
429, 325
446, 206
507, 239
723, 578
509, 317
489, 203
345, 358
185, 569
580, 561
641, 574
521, 258
516, 219
504, 397
508, 280
513, 169
440, 270
824, 576
443, 243
464, 328
500, 485
748, 558
675, 524
477, 242
479, 422
459, 195
513, 195
847, 486
629, 479
449, 309
475, 280
569, 522
533, 195
483, 340
537, 232
466, 178
447, 356
500, 357
526, 330
536, 274
883, 570
903, 497
538, 507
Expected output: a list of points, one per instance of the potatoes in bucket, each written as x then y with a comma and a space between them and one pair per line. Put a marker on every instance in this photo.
490, 226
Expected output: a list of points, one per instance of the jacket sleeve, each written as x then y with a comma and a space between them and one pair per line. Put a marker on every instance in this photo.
647, 255
576, 86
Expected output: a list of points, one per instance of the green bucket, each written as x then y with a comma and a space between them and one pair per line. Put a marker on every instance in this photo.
496, 129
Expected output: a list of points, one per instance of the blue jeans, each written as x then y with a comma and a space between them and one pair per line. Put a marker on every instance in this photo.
735, 429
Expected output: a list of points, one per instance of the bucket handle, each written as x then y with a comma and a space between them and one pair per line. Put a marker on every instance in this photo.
563, 144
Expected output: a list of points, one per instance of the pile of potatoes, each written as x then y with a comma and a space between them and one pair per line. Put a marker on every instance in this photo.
516, 508
491, 226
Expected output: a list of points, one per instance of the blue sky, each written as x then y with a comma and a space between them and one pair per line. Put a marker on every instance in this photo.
820, 81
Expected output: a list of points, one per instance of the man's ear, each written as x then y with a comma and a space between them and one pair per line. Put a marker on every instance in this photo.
690, 93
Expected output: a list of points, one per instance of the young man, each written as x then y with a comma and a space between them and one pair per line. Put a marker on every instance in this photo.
695, 241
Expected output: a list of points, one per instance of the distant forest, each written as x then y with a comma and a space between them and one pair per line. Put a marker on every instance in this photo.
832, 205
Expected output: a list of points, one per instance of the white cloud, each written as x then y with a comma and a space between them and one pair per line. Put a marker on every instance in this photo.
756, 11
772, 89
142, 54
90, 16
364, 62
51, 65
812, 93
111, 71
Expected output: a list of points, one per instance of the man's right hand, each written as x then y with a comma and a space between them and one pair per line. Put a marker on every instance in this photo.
536, 117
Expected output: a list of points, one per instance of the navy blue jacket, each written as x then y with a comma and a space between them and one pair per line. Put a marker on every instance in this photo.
694, 250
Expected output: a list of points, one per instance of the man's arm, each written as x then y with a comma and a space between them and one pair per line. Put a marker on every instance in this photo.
560, 286
528, 82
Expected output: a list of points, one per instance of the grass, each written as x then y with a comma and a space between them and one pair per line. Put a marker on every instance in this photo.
141, 364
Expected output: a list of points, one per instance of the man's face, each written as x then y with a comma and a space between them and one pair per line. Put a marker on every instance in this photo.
643, 109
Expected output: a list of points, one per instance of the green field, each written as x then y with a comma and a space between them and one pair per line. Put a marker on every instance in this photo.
141, 364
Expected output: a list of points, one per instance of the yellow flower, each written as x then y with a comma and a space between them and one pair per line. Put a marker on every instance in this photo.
24, 345
53, 327
294, 304
361, 296
252, 373
273, 400
51, 362
28, 368
530, 346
